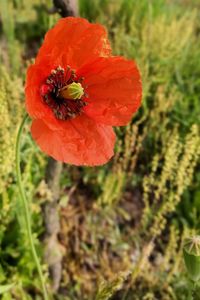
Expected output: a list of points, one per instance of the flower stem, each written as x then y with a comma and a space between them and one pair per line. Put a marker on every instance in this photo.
26, 208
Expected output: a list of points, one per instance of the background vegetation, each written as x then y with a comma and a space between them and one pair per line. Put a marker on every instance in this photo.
122, 225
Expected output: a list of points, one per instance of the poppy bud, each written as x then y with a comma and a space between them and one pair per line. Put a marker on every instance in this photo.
72, 91
191, 253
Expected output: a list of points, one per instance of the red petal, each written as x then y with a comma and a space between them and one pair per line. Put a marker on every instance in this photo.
114, 89
81, 143
77, 40
35, 105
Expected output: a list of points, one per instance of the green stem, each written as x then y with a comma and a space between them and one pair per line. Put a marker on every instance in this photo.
26, 208
194, 290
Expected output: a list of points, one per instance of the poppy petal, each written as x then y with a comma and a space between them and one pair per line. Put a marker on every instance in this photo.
77, 40
114, 90
35, 105
81, 143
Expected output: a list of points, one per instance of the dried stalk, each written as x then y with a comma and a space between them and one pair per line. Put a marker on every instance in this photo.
53, 255
66, 8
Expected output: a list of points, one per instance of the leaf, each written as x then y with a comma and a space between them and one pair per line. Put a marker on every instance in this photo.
5, 288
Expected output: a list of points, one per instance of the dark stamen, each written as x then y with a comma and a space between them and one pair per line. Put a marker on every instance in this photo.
63, 109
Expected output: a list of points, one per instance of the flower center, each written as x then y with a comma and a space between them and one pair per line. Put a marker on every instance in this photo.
64, 93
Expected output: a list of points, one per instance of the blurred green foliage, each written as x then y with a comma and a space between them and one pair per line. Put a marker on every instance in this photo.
122, 224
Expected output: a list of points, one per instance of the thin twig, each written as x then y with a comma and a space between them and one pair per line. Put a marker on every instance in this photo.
65, 8
53, 255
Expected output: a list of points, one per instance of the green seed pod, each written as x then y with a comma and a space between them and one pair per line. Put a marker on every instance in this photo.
72, 91
191, 253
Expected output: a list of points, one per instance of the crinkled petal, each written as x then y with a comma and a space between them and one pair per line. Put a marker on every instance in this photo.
77, 39
83, 142
114, 90
35, 105
34, 102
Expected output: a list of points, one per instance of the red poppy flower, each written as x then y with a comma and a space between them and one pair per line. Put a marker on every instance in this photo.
76, 91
